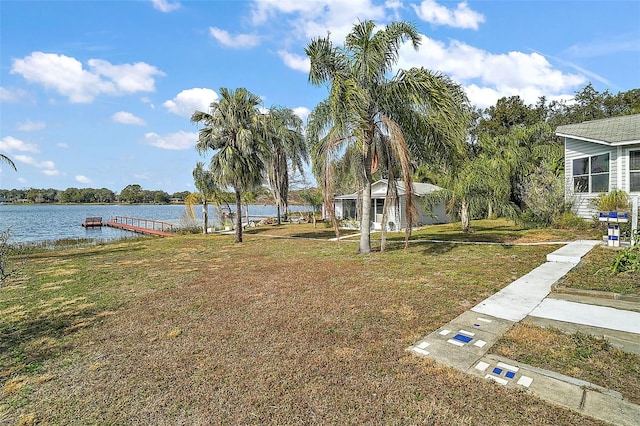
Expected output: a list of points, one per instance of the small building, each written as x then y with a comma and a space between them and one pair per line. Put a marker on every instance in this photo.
346, 206
601, 156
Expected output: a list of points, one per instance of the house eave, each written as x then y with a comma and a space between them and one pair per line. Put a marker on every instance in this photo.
600, 142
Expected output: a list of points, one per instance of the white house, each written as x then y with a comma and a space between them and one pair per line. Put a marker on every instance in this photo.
601, 156
346, 205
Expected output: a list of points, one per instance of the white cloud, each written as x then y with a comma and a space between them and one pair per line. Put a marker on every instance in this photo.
62, 145
489, 76
67, 76
316, 18
11, 144
236, 41
461, 17
128, 78
296, 62
124, 117
83, 179
11, 95
172, 141
30, 126
165, 6
302, 112
48, 166
188, 101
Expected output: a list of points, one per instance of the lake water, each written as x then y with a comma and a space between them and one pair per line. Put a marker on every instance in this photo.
37, 223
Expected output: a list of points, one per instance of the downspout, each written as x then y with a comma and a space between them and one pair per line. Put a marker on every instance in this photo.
634, 221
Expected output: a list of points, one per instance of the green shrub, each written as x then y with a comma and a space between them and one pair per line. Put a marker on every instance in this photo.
569, 220
628, 260
544, 197
616, 200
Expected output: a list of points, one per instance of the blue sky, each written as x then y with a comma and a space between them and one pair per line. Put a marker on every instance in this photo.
99, 93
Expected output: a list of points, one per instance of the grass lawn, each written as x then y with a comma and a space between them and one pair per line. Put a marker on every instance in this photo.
593, 273
577, 355
197, 330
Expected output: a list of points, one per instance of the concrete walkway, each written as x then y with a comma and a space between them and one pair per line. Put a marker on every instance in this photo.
464, 343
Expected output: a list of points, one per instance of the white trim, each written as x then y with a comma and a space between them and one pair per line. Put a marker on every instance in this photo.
601, 142
620, 165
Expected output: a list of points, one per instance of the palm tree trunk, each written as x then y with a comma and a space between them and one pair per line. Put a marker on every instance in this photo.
238, 216
365, 218
205, 217
464, 215
365, 209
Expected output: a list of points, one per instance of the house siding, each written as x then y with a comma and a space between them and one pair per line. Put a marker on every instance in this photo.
575, 149
619, 176
626, 172
394, 215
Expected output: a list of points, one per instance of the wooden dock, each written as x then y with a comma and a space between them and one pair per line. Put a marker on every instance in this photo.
92, 221
141, 226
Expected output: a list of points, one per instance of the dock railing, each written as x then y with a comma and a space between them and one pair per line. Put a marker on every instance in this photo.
149, 224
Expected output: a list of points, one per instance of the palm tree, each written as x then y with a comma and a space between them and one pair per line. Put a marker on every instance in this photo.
284, 135
416, 114
7, 160
476, 184
523, 149
208, 190
233, 132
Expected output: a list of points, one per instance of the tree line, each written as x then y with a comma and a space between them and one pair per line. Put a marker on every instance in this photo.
130, 194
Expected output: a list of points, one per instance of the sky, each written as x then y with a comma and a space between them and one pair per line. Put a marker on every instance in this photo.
99, 94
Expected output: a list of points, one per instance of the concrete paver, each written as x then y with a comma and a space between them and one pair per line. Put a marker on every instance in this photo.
590, 315
464, 342
572, 252
515, 301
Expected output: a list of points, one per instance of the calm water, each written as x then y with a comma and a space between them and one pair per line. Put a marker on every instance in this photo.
36, 223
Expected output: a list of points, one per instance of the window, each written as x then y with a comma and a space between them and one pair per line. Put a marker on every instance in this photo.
377, 206
591, 174
349, 209
634, 171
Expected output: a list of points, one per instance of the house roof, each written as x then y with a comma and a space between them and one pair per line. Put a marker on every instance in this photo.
624, 130
379, 189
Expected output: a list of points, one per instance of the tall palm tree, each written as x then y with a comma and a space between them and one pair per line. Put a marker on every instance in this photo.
416, 114
7, 160
233, 132
284, 135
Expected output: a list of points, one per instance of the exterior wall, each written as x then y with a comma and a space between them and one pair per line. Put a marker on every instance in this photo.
619, 177
396, 216
574, 149
338, 209
424, 218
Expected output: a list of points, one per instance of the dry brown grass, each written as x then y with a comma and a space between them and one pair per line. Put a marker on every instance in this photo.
272, 331
577, 355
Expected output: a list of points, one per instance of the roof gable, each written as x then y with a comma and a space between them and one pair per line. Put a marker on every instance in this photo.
622, 130
379, 189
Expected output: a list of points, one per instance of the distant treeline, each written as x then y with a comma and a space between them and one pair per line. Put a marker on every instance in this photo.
130, 194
